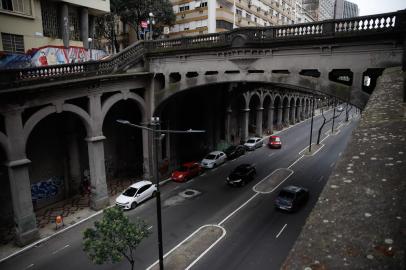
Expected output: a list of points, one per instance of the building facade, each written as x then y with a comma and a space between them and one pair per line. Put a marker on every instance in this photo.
350, 10
320, 10
29, 25
211, 16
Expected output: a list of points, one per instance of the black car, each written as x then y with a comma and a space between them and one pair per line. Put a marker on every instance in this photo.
291, 198
241, 175
235, 151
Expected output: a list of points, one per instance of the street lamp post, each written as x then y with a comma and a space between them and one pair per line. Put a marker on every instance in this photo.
157, 132
90, 40
311, 127
151, 21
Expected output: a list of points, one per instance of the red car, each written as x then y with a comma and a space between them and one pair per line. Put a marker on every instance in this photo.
274, 142
186, 171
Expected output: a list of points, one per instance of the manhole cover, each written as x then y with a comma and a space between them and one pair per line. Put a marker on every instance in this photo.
189, 193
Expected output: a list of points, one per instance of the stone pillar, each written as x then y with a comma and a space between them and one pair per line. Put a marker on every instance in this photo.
292, 114
279, 124
84, 27
26, 230
228, 125
270, 119
286, 116
75, 175
258, 130
245, 119
99, 196
298, 117
64, 24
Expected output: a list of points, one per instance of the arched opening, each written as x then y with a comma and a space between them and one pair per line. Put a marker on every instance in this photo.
59, 160
6, 206
254, 105
267, 114
123, 148
237, 116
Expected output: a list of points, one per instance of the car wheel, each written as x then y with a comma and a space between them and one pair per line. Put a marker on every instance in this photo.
133, 205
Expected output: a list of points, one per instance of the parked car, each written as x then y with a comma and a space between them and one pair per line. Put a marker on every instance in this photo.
186, 171
291, 198
275, 142
135, 194
235, 151
213, 159
241, 175
253, 143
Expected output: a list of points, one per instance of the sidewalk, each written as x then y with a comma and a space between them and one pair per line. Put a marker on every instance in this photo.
73, 211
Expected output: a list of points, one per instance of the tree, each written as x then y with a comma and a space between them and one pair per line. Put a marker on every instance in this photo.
325, 121
131, 13
114, 237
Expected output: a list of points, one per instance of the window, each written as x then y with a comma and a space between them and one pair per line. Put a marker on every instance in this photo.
238, 12
17, 6
248, 16
183, 8
12, 43
203, 4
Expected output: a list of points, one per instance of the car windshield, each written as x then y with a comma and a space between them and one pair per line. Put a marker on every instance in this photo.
251, 141
130, 192
277, 139
210, 156
286, 195
182, 169
240, 169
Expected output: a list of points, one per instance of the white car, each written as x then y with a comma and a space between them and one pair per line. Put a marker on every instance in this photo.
135, 194
254, 143
213, 159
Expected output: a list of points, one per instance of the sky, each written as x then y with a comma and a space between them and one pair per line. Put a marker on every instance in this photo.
368, 7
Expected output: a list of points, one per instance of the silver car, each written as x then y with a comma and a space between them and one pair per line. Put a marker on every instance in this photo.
254, 143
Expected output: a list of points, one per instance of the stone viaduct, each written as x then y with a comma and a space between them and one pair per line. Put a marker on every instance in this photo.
261, 79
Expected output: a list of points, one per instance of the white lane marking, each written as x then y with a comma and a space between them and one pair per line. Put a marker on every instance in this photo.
29, 266
339, 154
320, 179
281, 230
186, 239
295, 161
241, 206
270, 155
203, 174
58, 250
214, 169
332, 165
149, 228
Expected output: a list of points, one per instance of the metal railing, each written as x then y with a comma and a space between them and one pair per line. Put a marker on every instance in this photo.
394, 22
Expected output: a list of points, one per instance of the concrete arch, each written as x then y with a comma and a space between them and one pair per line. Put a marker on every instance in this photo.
121, 96
44, 112
4, 143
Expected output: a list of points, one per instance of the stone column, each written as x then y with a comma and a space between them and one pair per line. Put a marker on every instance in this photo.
64, 24
228, 125
99, 196
270, 119
292, 114
245, 119
74, 172
298, 116
258, 130
84, 27
26, 230
286, 116
279, 124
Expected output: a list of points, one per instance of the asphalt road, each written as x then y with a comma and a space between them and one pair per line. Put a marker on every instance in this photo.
251, 241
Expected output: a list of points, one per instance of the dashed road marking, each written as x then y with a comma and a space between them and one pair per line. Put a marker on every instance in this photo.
29, 266
320, 179
332, 165
281, 230
270, 155
58, 250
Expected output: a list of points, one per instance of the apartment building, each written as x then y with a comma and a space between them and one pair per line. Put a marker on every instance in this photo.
320, 9
350, 10
28, 25
211, 16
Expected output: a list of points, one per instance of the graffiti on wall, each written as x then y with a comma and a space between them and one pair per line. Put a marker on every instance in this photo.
49, 55
46, 189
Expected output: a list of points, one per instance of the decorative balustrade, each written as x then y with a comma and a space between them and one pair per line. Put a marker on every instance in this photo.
376, 24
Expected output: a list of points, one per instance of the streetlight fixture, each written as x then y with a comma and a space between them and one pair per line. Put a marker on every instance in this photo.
157, 137
90, 40
151, 21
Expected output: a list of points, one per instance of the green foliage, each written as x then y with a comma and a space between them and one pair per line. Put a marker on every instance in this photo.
114, 237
